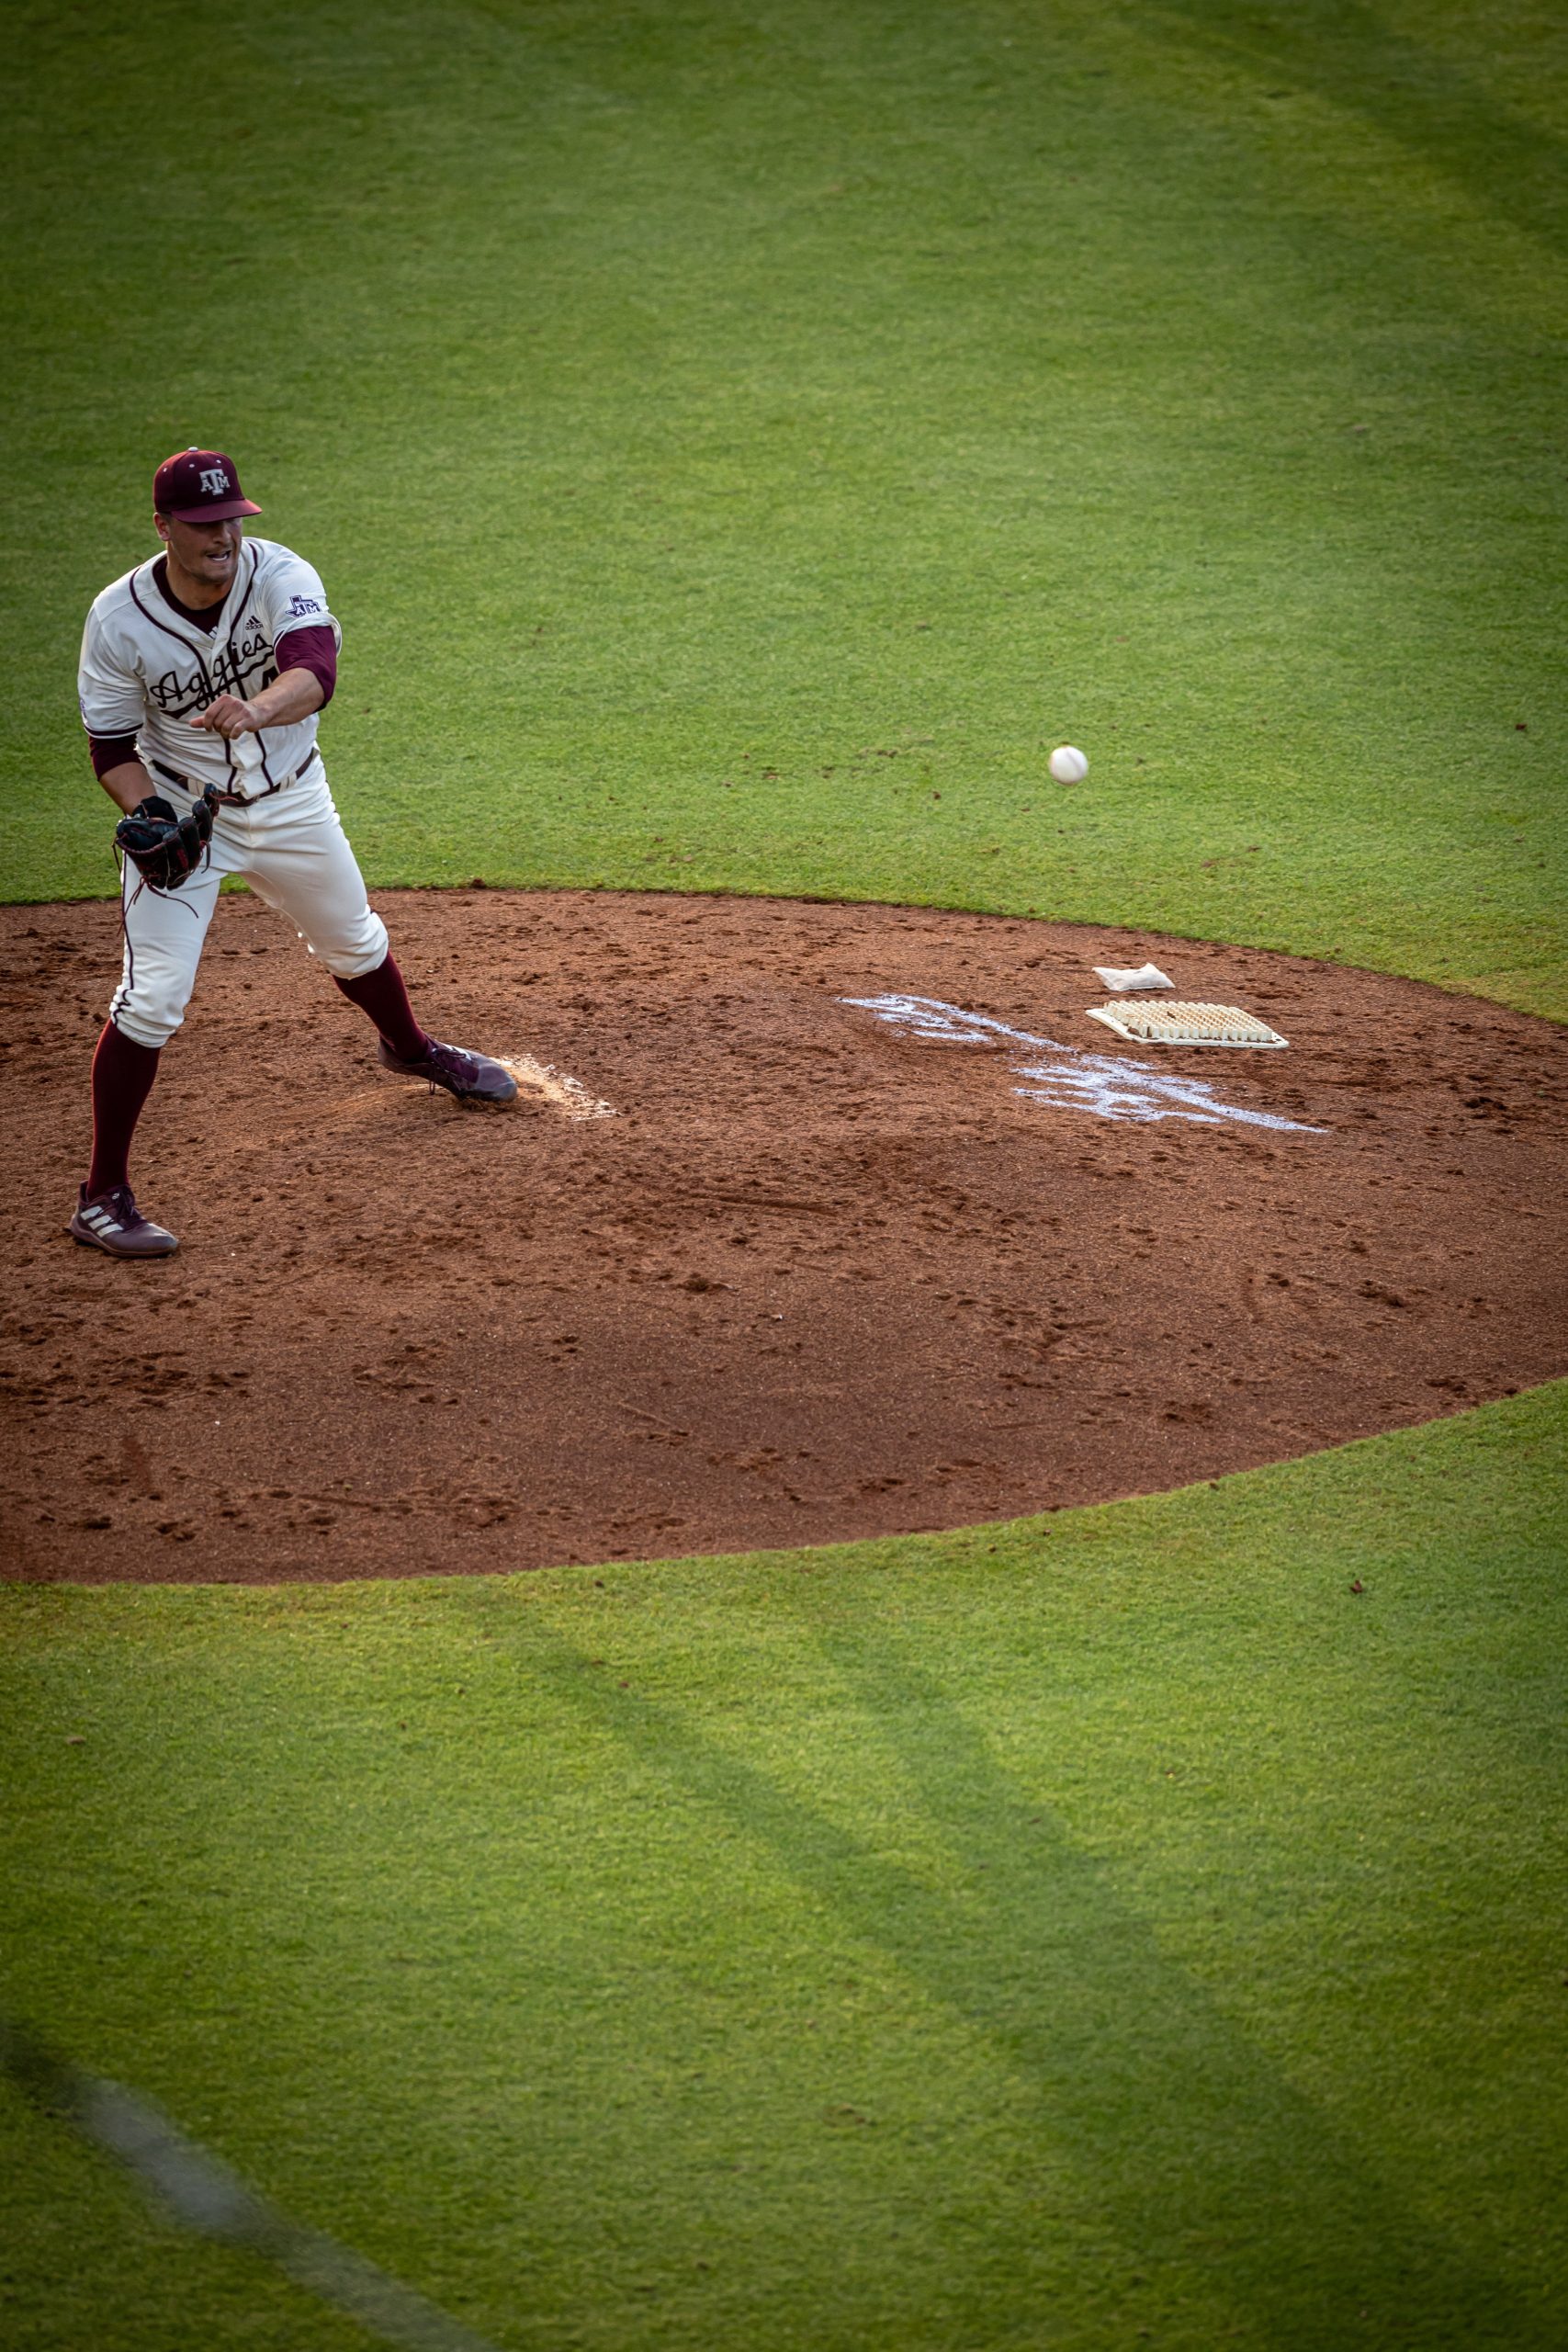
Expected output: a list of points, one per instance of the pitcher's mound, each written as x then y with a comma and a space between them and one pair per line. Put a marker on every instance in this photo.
812, 1222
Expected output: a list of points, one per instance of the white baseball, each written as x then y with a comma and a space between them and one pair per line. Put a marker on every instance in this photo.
1067, 764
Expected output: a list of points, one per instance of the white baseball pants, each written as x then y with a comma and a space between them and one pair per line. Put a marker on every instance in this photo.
293, 852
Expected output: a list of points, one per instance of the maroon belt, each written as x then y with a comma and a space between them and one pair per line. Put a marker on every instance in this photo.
235, 800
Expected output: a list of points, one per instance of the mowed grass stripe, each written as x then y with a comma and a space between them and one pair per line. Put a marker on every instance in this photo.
1110, 1921
689, 406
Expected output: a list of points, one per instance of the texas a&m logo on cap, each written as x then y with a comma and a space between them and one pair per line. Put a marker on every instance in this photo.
200, 486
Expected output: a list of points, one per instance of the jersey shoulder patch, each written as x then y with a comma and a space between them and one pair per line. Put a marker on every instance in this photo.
289, 589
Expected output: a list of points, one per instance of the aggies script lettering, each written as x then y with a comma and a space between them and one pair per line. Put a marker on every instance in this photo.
248, 650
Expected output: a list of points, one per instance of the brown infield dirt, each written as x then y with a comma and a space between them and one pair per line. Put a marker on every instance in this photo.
818, 1277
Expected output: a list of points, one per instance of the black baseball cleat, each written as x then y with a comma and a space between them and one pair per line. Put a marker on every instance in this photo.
471, 1078
113, 1223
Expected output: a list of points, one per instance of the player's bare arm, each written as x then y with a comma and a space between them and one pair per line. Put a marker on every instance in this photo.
289, 698
127, 785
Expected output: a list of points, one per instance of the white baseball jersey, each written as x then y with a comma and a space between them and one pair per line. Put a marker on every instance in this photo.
147, 669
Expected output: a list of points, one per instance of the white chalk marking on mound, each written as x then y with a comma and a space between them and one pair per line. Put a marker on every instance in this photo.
568, 1095
1103, 1083
214, 2202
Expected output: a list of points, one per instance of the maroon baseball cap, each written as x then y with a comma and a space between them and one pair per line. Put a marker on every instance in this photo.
200, 486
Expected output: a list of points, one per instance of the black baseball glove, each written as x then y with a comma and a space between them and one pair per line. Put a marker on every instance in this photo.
164, 849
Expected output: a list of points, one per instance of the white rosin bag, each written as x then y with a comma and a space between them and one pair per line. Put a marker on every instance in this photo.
1148, 975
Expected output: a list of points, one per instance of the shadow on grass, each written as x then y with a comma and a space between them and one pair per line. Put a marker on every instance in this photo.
1190, 2145
1408, 93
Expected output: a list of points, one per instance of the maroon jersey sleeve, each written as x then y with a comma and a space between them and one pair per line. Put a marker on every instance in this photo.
310, 648
110, 751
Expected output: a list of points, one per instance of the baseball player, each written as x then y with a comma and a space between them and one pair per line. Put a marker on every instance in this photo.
203, 674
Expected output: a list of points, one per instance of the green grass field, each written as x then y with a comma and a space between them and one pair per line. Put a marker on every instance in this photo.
1104, 1929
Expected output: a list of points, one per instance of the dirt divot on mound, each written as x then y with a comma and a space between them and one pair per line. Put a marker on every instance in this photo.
882, 1235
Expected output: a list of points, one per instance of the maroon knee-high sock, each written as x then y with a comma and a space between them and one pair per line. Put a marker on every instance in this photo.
123, 1072
382, 995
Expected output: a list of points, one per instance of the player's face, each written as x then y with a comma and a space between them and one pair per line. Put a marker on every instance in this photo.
205, 552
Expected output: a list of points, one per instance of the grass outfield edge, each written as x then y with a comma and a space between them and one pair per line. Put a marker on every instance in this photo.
1259, 944
1543, 1408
